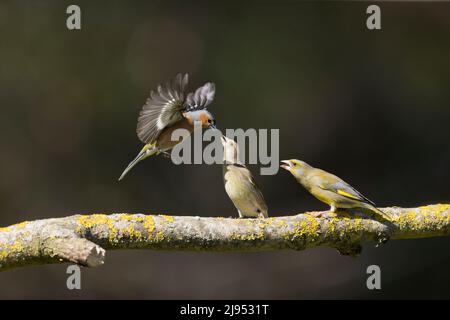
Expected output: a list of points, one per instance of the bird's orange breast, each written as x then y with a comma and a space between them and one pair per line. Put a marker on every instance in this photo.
204, 118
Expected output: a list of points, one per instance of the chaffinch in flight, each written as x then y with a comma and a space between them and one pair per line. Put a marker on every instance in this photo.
168, 109
329, 188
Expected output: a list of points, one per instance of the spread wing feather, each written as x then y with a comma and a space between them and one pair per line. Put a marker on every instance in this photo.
162, 109
201, 98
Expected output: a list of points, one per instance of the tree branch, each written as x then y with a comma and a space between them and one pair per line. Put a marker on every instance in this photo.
81, 238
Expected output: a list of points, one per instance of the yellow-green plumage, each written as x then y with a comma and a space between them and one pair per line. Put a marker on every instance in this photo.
329, 188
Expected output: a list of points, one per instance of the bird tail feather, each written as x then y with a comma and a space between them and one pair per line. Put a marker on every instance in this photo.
147, 151
384, 214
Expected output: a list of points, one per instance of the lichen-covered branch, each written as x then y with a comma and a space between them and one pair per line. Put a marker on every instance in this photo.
82, 239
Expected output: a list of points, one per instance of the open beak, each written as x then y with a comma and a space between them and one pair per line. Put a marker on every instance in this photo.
286, 164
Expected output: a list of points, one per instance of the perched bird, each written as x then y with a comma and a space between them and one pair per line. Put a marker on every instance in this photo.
329, 188
240, 185
168, 109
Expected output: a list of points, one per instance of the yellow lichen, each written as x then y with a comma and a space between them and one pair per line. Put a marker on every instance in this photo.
408, 220
262, 225
307, 227
281, 223
130, 231
438, 213
16, 247
129, 217
159, 236
435, 208
247, 237
21, 225
358, 222
149, 224
95, 220
17, 226
167, 218
253, 234
11, 249
5, 229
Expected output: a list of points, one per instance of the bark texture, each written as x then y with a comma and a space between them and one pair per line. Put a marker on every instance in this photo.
83, 239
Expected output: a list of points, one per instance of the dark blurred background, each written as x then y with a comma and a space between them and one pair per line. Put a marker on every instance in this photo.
371, 106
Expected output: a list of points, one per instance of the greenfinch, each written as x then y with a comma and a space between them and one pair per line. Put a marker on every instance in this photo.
240, 184
170, 108
329, 188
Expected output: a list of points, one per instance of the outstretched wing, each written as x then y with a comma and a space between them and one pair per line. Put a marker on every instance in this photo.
201, 98
162, 109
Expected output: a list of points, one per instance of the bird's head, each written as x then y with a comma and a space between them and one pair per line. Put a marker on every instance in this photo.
297, 167
230, 150
204, 117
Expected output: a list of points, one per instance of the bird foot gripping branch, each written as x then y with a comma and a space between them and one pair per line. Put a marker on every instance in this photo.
169, 109
331, 189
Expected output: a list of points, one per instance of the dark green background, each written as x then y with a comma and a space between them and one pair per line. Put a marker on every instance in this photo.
371, 106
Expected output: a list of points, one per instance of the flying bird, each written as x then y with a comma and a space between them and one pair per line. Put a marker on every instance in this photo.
329, 188
169, 108
240, 185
